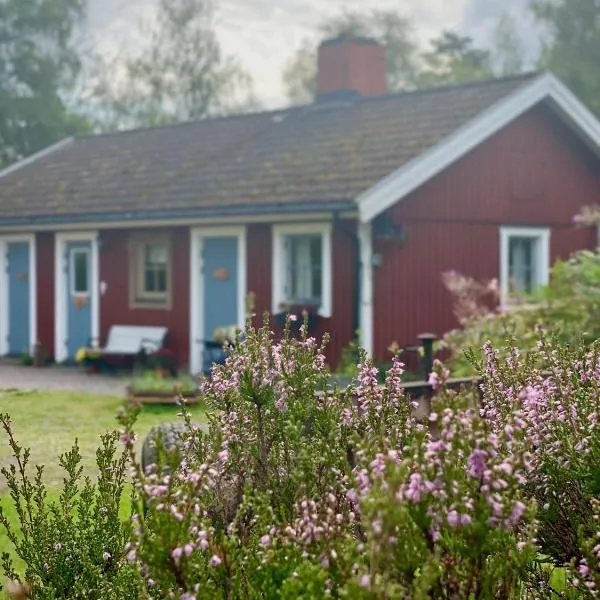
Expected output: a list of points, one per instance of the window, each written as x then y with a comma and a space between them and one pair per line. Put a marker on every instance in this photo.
79, 270
151, 272
304, 256
525, 260
302, 266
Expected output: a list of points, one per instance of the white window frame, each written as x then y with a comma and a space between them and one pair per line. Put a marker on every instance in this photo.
280, 233
72, 290
542, 255
139, 296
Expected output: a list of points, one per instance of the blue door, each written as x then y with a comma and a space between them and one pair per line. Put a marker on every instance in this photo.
79, 297
220, 285
19, 281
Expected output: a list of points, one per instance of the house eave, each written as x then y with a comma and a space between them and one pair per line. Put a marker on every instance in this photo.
168, 217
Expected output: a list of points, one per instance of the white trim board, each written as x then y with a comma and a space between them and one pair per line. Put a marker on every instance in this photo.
60, 288
34, 157
197, 236
366, 288
324, 228
4, 291
422, 168
542, 235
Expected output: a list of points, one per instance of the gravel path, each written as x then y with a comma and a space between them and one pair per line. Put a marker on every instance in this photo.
59, 379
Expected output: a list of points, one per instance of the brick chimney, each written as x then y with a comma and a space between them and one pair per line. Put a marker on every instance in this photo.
350, 66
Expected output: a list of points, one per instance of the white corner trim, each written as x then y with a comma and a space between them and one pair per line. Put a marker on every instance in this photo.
197, 333
422, 168
366, 288
60, 288
34, 157
279, 263
542, 234
4, 291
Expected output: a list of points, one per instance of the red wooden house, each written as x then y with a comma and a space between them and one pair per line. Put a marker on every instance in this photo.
355, 204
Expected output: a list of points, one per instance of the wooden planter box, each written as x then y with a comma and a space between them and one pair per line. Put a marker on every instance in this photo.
160, 396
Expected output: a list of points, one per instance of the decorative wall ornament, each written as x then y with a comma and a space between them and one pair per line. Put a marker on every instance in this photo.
221, 274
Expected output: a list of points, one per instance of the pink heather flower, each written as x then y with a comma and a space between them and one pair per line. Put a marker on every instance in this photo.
58, 546
214, 561
188, 549
127, 439
324, 562
453, 518
583, 569
281, 405
46, 567
223, 455
365, 581
106, 555
203, 544
187, 596
265, 540
434, 380
517, 512
151, 583
465, 520
131, 556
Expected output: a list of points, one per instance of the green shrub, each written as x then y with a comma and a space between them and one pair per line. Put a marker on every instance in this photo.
569, 306
298, 493
73, 547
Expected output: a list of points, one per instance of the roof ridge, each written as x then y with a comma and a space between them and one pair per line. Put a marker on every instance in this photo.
308, 106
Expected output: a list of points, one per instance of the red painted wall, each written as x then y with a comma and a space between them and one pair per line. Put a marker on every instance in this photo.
114, 304
44, 243
115, 309
534, 172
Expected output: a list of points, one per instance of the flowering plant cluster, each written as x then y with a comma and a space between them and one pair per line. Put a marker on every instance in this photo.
570, 300
297, 490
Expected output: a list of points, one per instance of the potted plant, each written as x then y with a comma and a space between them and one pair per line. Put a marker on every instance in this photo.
152, 388
88, 358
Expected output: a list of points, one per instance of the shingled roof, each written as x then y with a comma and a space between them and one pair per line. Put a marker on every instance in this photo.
317, 156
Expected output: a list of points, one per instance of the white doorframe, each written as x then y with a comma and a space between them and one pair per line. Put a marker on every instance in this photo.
4, 290
366, 287
197, 236
60, 288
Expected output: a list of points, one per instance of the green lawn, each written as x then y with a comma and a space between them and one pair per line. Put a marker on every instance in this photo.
48, 423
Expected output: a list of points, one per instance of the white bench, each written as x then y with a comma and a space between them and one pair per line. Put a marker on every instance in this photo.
130, 340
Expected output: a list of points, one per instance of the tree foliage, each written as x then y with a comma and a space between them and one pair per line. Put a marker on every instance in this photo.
180, 74
39, 62
454, 59
394, 31
571, 47
450, 57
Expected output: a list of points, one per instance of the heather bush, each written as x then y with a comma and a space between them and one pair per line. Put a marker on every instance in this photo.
560, 410
296, 490
73, 547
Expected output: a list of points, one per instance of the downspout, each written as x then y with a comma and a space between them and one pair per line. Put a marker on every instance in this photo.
353, 235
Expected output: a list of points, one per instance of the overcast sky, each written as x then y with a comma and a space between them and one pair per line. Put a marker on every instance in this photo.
263, 34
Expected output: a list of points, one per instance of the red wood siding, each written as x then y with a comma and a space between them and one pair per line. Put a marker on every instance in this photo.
45, 290
114, 304
258, 268
534, 172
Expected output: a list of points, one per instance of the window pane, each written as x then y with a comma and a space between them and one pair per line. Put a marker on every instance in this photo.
156, 254
304, 267
80, 272
161, 280
149, 281
522, 264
